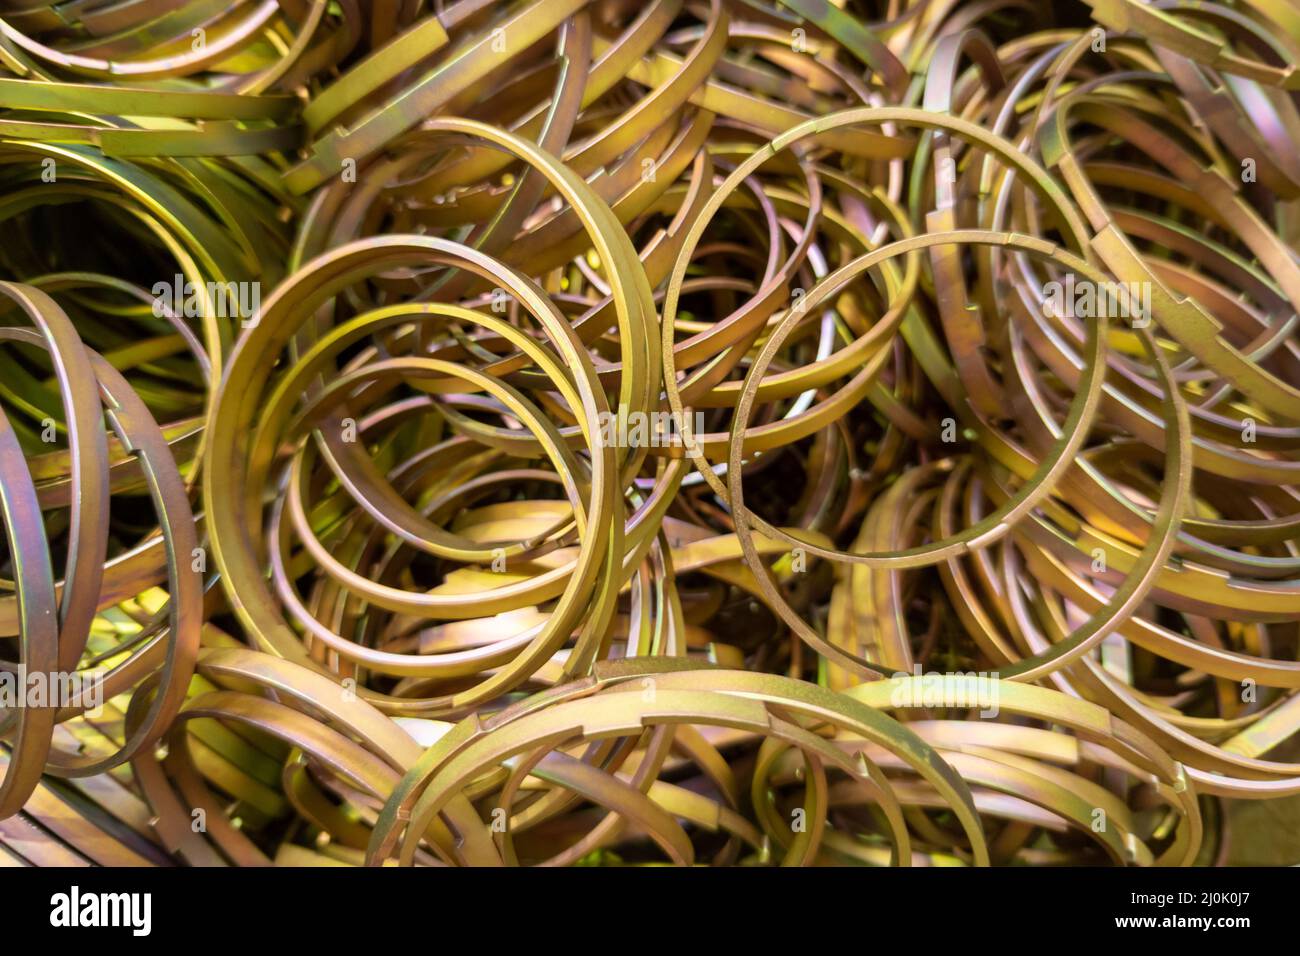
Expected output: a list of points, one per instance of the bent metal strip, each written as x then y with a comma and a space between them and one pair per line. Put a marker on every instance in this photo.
727, 432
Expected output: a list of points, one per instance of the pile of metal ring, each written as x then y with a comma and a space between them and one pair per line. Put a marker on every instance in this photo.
727, 432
